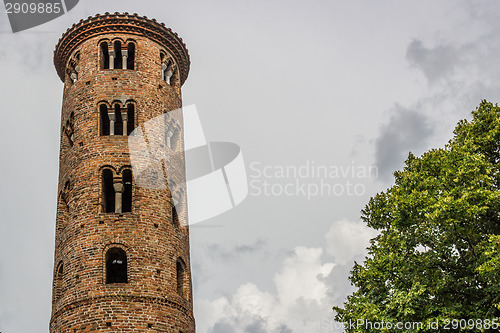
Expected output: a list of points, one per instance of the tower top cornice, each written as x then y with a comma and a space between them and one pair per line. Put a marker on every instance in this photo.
121, 23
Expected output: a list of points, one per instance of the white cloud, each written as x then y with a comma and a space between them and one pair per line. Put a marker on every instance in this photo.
347, 240
299, 276
301, 300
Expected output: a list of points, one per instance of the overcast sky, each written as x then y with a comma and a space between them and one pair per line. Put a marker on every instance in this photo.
343, 85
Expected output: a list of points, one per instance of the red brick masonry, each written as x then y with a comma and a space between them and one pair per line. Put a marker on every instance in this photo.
157, 296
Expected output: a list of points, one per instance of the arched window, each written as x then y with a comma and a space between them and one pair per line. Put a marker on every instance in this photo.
127, 190
118, 122
108, 191
116, 266
104, 61
131, 56
59, 280
118, 64
181, 277
130, 118
103, 111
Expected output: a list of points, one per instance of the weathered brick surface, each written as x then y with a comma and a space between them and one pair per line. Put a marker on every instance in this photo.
82, 301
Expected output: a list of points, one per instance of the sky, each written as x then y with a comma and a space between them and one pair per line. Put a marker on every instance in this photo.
301, 86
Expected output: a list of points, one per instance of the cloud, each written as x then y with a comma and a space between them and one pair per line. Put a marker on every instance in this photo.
300, 301
406, 130
347, 241
436, 63
232, 251
306, 286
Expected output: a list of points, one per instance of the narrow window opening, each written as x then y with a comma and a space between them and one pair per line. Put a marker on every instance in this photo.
118, 55
131, 56
163, 60
175, 217
130, 118
169, 133
118, 120
108, 191
64, 197
116, 266
104, 56
173, 76
73, 75
168, 70
64, 201
59, 280
73, 68
180, 277
103, 109
69, 129
127, 191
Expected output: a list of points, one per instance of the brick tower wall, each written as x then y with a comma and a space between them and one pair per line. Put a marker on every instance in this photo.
150, 301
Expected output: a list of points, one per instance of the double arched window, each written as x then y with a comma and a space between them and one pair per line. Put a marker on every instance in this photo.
116, 193
116, 120
117, 55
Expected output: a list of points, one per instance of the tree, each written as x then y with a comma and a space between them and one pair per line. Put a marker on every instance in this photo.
437, 255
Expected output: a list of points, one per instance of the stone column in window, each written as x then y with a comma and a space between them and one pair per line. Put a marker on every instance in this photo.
125, 120
163, 69
124, 57
111, 51
112, 118
118, 197
168, 74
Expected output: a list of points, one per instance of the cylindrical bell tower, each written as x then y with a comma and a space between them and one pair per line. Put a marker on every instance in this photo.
121, 250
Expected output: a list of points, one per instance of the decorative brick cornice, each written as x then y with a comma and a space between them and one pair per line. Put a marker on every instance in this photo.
121, 23
122, 298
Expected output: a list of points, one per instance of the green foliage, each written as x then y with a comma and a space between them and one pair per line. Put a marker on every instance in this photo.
437, 255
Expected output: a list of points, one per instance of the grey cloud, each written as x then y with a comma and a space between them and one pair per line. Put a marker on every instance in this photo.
284, 329
259, 325
222, 327
436, 63
338, 284
256, 327
406, 130
229, 252
258, 245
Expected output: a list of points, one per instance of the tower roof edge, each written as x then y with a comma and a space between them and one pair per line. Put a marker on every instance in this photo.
120, 23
